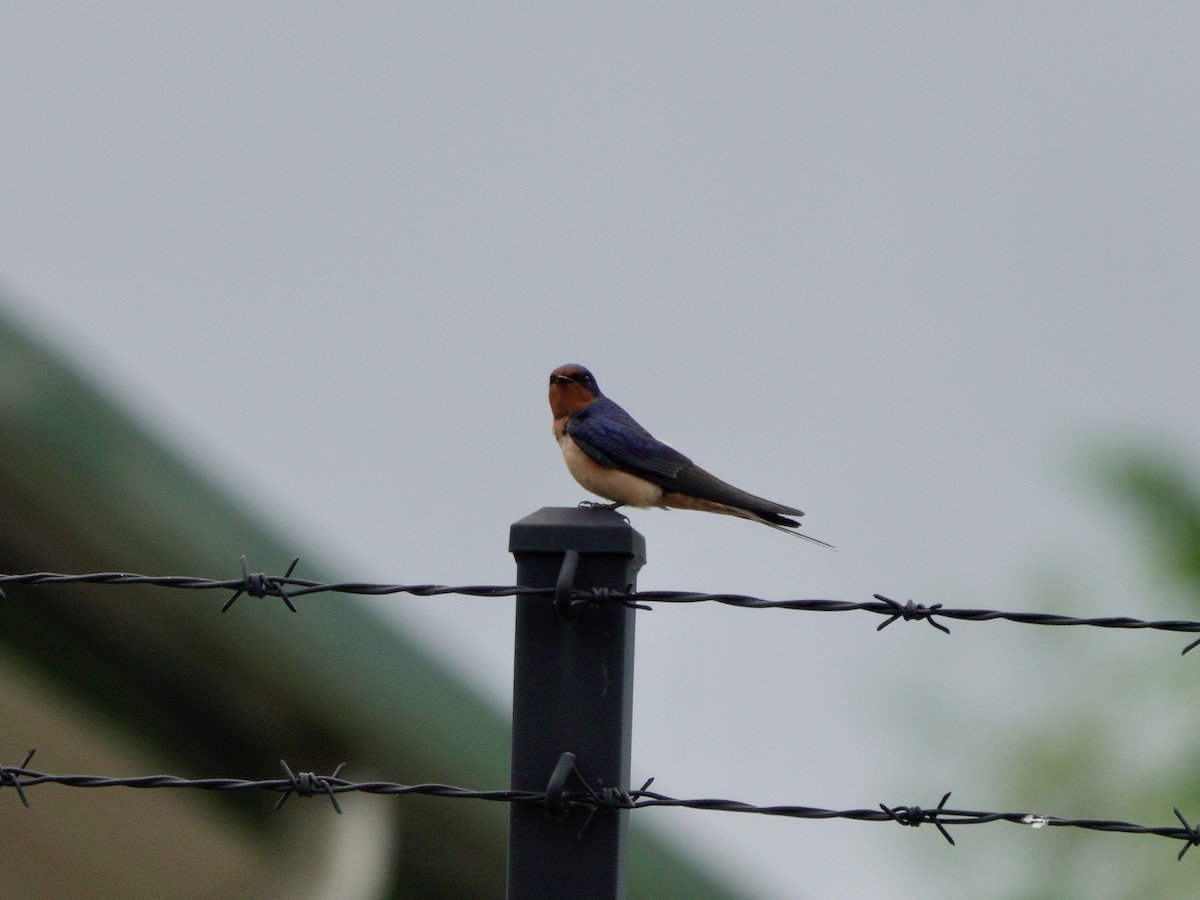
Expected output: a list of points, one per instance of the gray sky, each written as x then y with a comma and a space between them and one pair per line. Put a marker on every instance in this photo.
900, 268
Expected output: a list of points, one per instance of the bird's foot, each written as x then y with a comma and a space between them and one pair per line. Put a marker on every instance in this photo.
592, 504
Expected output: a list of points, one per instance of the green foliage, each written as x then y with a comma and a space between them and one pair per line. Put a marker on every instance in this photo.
1167, 497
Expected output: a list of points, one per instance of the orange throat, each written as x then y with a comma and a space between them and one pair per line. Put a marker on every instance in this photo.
569, 398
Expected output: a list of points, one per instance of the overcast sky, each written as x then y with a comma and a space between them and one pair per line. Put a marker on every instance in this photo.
903, 269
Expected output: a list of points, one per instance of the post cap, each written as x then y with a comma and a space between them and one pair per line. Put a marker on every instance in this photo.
556, 529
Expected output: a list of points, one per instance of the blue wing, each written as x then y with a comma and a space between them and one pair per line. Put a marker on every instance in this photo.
613, 438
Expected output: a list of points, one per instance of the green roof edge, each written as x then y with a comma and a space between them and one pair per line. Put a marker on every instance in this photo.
83, 483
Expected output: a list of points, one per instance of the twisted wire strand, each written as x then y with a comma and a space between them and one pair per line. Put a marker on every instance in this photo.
308, 784
288, 588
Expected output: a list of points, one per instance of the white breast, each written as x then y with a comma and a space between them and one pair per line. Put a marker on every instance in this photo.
612, 484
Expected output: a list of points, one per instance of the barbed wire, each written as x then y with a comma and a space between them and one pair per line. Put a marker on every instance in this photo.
556, 799
288, 588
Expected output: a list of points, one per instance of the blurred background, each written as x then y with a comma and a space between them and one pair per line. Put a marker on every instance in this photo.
929, 274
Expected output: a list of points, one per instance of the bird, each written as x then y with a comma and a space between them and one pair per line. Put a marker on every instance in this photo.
611, 455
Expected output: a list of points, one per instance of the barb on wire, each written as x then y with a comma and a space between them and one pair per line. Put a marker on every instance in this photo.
606, 799
260, 585
306, 784
1190, 834
289, 588
914, 815
9, 777
911, 612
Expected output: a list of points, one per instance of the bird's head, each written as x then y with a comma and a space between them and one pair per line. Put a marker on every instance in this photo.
572, 388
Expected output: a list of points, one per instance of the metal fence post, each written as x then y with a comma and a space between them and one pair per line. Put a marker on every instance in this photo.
572, 692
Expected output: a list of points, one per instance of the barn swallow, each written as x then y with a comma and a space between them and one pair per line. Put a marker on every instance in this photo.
610, 454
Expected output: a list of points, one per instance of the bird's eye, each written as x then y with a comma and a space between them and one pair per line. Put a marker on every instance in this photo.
581, 378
